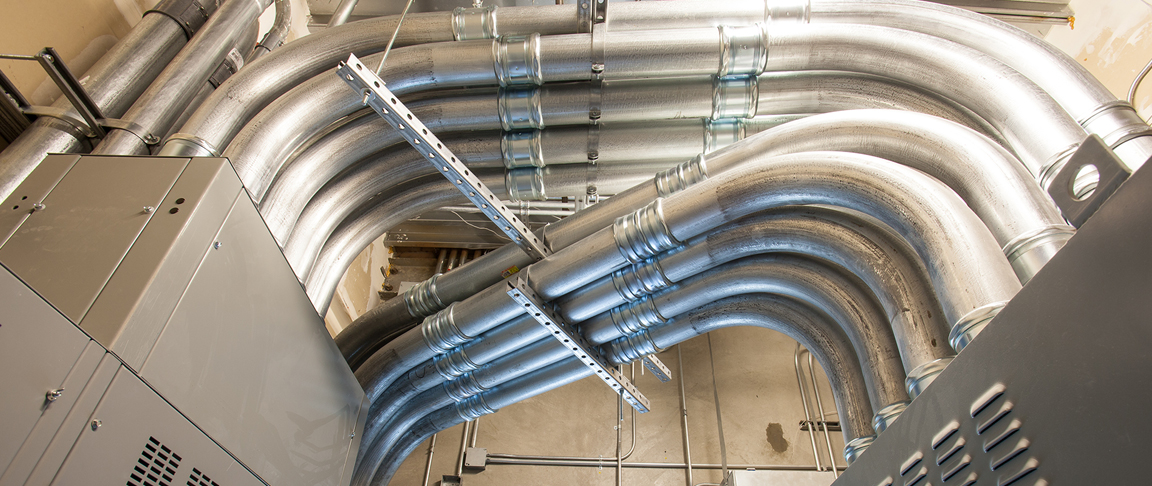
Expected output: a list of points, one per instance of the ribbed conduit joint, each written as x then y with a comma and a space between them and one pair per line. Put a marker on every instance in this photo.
525, 184
421, 300
643, 233
630, 348
1019, 250
474, 23
857, 446
520, 109
517, 60
454, 363
440, 333
722, 133
1053, 165
1116, 122
463, 387
682, 176
188, 145
473, 408
636, 316
522, 149
639, 280
966, 329
924, 375
743, 50
887, 415
734, 97
788, 11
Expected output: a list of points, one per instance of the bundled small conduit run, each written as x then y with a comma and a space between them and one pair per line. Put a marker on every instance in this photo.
866, 176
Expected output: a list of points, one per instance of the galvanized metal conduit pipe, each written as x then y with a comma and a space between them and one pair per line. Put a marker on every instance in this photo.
165, 99
1084, 98
821, 286
781, 314
1022, 217
343, 11
113, 83
885, 264
275, 36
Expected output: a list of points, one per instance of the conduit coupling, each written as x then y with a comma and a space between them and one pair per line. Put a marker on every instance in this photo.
1030, 251
792, 11
722, 133
887, 415
473, 408
643, 233
923, 375
1053, 165
188, 145
440, 333
421, 300
636, 316
1116, 122
474, 23
682, 176
461, 388
525, 184
743, 50
520, 109
640, 280
966, 329
454, 363
734, 97
517, 60
857, 446
522, 149
630, 348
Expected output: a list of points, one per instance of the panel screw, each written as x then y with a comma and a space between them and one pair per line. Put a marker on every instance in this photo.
217, 245
388, 287
53, 395
38, 207
148, 209
96, 424
352, 435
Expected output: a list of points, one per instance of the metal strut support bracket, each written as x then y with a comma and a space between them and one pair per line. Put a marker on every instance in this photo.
585, 351
657, 368
381, 99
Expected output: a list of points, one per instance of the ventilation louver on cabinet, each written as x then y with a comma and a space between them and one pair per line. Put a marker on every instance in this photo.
984, 447
198, 478
156, 465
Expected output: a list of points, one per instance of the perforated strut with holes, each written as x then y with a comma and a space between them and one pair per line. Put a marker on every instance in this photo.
385, 103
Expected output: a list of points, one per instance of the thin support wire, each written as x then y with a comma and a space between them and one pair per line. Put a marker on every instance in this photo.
1136, 82
394, 34
719, 421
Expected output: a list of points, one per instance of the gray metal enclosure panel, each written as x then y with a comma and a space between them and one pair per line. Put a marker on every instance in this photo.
39, 183
247, 359
39, 351
131, 311
68, 250
129, 414
1070, 359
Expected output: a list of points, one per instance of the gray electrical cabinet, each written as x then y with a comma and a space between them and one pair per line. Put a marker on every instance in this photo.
152, 333
1055, 389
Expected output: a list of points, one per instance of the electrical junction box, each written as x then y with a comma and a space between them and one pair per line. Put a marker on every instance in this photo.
153, 333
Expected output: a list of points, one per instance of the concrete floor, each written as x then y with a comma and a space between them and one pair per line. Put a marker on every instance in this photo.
759, 401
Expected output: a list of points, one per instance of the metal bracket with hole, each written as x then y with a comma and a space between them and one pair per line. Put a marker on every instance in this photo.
520, 292
385, 103
1092, 153
657, 368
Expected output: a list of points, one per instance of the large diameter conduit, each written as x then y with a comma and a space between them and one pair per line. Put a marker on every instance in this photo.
922, 210
113, 83
886, 265
163, 102
810, 327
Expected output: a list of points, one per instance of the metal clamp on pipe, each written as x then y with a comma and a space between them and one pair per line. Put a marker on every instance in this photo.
190, 15
517, 60
790, 11
522, 149
520, 109
474, 23
734, 97
743, 50
525, 184
722, 133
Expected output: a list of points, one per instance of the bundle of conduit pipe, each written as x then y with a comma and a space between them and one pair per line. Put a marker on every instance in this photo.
865, 176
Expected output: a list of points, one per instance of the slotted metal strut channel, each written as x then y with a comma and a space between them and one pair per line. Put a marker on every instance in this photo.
381, 99
520, 292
